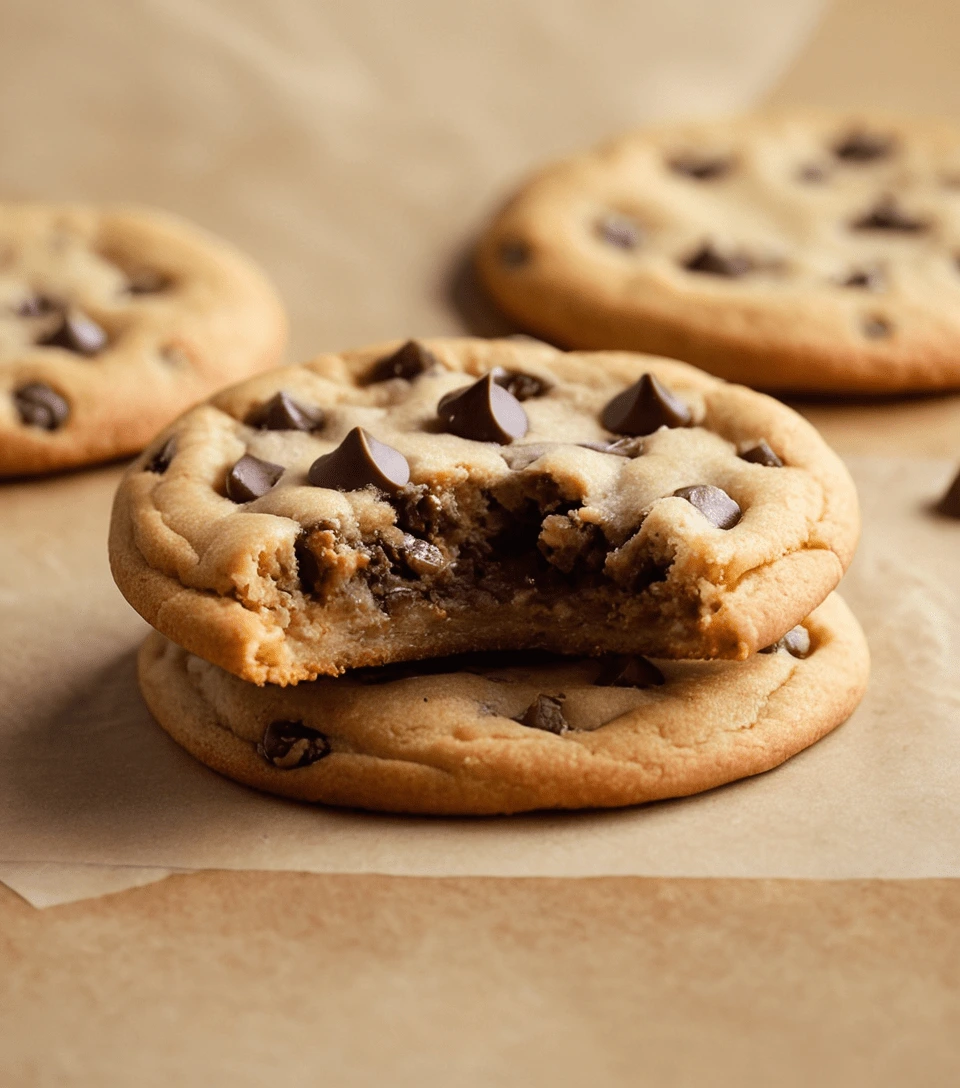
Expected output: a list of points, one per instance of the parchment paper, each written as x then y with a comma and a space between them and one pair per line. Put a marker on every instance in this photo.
87, 777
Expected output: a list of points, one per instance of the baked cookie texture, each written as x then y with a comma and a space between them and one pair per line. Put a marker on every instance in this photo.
112, 322
232, 536
454, 741
808, 252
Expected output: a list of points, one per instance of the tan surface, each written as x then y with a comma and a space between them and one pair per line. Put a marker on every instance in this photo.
248, 978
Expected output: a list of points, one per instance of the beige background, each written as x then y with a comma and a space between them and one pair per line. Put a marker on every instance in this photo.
252, 978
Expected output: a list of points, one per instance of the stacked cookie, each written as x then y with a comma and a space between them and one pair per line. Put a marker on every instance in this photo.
463, 576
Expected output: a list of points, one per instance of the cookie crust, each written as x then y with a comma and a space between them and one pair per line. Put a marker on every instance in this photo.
449, 743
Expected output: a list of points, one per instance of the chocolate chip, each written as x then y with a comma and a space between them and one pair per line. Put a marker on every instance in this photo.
796, 642
484, 411
514, 253
876, 327
761, 454
710, 261
250, 478
888, 215
619, 447
629, 671
713, 502
619, 230
289, 745
860, 146
700, 167
406, 362
520, 385
868, 278
160, 461
358, 461
36, 306
949, 505
308, 567
421, 556
546, 712
812, 174
282, 413
40, 406
78, 333
644, 408
147, 281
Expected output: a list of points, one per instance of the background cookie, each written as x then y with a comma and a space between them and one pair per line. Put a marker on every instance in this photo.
503, 737
398, 503
112, 322
808, 251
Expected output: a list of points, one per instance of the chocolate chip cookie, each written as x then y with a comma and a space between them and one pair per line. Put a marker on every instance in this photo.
508, 732
815, 252
112, 322
410, 501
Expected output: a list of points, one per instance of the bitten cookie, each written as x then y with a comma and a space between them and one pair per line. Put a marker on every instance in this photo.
404, 502
814, 252
512, 732
112, 322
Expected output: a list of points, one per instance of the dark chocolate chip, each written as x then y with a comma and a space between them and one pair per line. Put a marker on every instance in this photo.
147, 281
700, 167
888, 215
876, 327
407, 362
421, 556
629, 671
710, 261
713, 502
160, 461
36, 306
40, 406
483, 411
796, 642
282, 413
545, 712
619, 447
859, 146
289, 745
868, 278
644, 408
359, 460
619, 230
78, 333
250, 478
949, 505
520, 385
762, 454
812, 174
514, 254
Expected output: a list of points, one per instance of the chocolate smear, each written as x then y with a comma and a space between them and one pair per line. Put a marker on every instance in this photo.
40, 406
713, 502
644, 408
484, 412
360, 460
250, 478
282, 413
288, 745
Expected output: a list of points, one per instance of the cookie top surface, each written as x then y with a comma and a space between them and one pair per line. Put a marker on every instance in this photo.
112, 322
808, 252
270, 533
514, 732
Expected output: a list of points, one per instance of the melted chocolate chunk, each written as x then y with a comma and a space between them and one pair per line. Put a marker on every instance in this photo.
949, 505
888, 215
644, 408
714, 263
484, 412
358, 461
40, 406
282, 413
796, 642
520, 385
859, 146
713, 502
288, 745
876, 328
308, 568
77, 333
619, 230
160, 461
761, 454
629, 671
514, 254
619, 447
545, 712
701, 167
422, 557
407, 362
419, 510
36, 306
250, 478
868, 278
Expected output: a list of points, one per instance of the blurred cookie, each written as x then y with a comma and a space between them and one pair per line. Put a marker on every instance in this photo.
112, 322
411, 501
815, 252
512, 732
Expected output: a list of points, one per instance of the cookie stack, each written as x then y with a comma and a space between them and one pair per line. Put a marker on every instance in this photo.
465, 576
